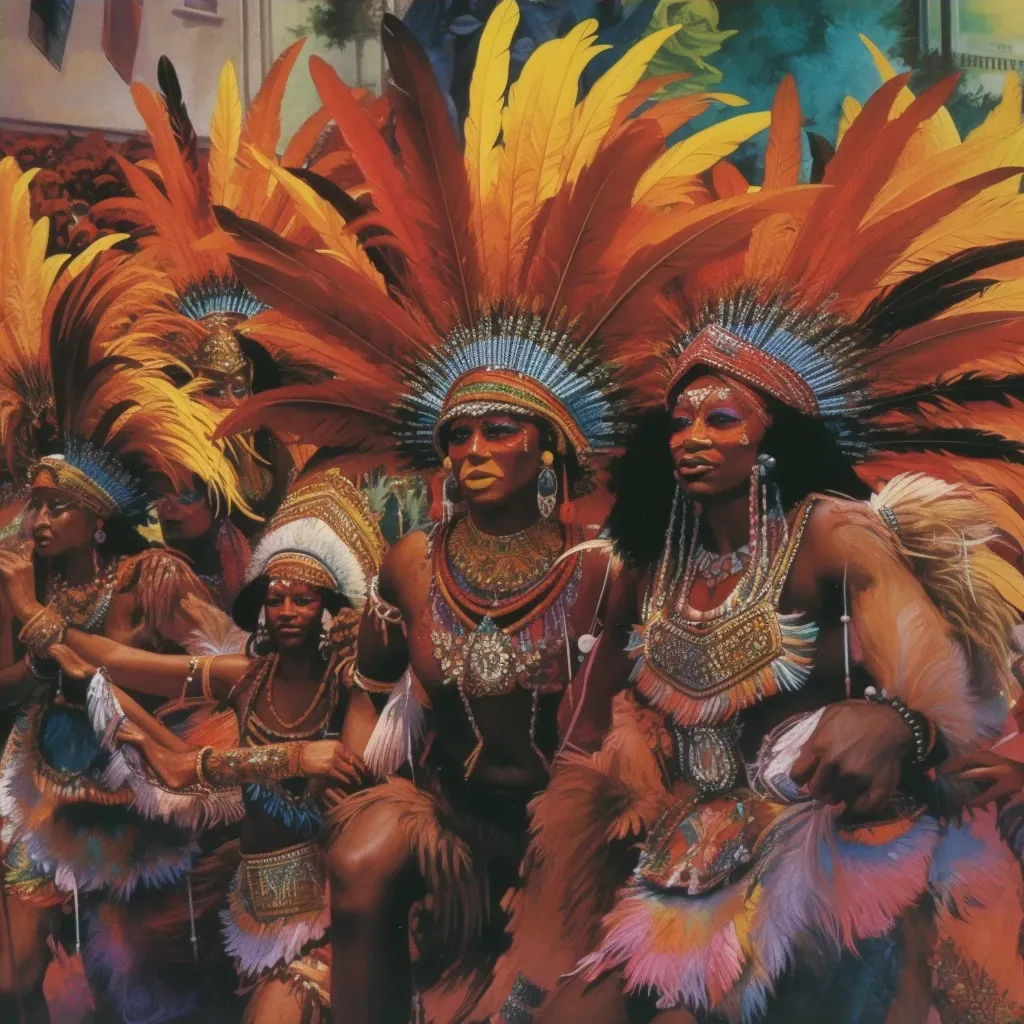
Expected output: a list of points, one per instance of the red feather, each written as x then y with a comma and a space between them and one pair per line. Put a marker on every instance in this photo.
583, 222
333, 412
854, 195
878, 246
728, 181
709, 233
640, 94
783, 157
372, 155
433, 166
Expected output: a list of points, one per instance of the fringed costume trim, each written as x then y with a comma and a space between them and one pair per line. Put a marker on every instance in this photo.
74, 830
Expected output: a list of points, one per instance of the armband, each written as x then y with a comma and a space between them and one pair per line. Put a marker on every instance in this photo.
383, 611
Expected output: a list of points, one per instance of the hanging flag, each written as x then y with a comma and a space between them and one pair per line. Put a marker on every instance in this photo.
122, 21
49, 24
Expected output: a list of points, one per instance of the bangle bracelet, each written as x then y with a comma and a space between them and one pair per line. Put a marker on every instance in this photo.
190, 676
918, 724
204, 782
207, 665
46, 628
371, 685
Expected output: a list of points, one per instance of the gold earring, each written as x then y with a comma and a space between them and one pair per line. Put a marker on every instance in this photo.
547, 458
744, 440
447, 462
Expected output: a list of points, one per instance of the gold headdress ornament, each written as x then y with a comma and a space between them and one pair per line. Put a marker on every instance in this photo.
187, 244
324, 534
549, 230
88, 407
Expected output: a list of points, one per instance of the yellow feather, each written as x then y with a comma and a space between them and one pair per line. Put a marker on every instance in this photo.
851, 108
86, 256
696, 154
596, 113
225, 131
535, 126
938, 132
486, 100
1006, 116
1003, 576
54, 264
323, 218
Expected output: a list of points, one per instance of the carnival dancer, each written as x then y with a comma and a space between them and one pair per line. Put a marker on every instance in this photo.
477, 349
103, 430
309, 577
802, 658
224, 363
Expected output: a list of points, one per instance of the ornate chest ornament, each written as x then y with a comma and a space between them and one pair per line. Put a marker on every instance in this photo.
702, 668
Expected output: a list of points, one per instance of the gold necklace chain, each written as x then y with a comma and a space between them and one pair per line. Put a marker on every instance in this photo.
305, 714
499, 565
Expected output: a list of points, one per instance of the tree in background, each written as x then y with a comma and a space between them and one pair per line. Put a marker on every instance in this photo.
340, 22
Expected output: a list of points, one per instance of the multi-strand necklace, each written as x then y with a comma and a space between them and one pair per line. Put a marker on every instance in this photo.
517, 581
84, 606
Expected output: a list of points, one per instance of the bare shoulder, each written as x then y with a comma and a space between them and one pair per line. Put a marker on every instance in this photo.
406, 562
842, 535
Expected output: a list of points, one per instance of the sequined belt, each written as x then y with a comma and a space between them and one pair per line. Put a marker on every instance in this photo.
283, 883
709, 756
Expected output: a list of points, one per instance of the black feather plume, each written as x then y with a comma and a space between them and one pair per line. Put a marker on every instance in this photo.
181, 123
822, 152
960, 441
960, 390
925, 295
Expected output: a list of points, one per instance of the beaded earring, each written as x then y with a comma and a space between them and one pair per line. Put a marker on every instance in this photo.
547, 486
449, 487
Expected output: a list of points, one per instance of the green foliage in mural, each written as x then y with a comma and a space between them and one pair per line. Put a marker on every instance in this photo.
340, 22
689, 49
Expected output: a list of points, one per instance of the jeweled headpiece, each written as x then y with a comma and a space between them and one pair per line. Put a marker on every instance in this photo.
549, 230
882, 305
94, 478
324, 534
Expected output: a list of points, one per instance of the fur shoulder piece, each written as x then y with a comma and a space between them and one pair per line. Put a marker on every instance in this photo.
945, 533
162, 581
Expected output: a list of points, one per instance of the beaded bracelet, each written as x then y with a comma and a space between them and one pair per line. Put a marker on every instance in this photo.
204, 782
920, 728
372, 685
46, 628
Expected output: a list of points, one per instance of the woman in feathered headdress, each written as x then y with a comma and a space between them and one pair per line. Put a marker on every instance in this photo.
290, 689
210, 338
98, 431
461, 317
829, 470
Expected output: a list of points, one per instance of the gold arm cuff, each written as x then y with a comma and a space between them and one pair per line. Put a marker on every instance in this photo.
46, 628
372, 685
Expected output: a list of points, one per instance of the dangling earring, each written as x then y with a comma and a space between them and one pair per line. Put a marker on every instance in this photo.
744, 440
547, 486
448, 487
99, 535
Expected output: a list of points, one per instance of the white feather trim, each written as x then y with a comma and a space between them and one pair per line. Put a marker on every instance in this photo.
398, 732
314, 538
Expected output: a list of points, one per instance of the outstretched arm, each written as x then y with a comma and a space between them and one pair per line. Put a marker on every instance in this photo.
163, 675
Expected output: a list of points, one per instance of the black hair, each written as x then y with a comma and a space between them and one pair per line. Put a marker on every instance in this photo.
808, 459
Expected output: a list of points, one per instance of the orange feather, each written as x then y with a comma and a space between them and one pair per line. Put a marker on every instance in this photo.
784, 155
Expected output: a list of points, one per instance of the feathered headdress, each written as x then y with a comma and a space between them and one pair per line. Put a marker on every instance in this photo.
890, 305
185, 242
122, 430
324, 534
30, 286
483, 274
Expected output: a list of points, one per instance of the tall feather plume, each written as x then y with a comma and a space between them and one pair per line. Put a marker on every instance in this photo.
597, 111
535, 125
225, 132
177, 113
483, 122
784, 155
432, 164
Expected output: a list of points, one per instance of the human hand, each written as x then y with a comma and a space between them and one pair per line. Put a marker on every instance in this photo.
1001, 777
175, 769
855, 756
65, 988
71, 664
17, 580
333, 761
